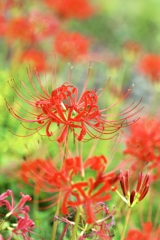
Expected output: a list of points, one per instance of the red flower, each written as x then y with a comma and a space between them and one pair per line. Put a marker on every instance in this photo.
24, 30
147, 233
133, 197
36, 58
144, 143
23, 225
71, 45
71, 8
150, 66
36, 172
62, 108
72, 192
44, 25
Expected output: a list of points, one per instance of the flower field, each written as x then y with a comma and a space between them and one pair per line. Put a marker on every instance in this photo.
80, 120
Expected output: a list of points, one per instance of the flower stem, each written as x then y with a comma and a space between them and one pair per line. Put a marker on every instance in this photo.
74, 233
126, 223
35, 206
55, 222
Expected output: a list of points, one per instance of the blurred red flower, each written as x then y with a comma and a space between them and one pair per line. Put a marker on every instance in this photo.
36, 173
144, 140
20, 29
71, 8
147, 233
36, 58
150, 66
143, 144
71, 46
45, 25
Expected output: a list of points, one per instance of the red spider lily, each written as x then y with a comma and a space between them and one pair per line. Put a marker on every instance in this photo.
143, 144
44, 25
3, 201
147, 233
71, 8
71, 46
15, 210
92, 196
36, 58
150, 66
63, 111
144, 140
23, 225
72, 192
97, 163
36, 172
133, 197
24, 30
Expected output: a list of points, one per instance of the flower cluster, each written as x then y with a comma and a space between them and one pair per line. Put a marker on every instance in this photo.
134, 196
16, 222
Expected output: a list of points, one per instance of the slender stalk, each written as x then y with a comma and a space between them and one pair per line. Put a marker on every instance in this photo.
55, 222
75, 228
35, 206
126, 224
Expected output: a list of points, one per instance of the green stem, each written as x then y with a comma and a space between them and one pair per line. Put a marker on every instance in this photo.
126, 224
74, 233
55, 222
35, 206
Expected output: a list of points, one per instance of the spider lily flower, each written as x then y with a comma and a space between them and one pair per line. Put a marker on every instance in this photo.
71, 8
22, 225
150, 66
36, 58
71, 46
24, 30
36, 172
134, 196
148, 232
144, 140
87, 191
15, 210
143, 145
62, 111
